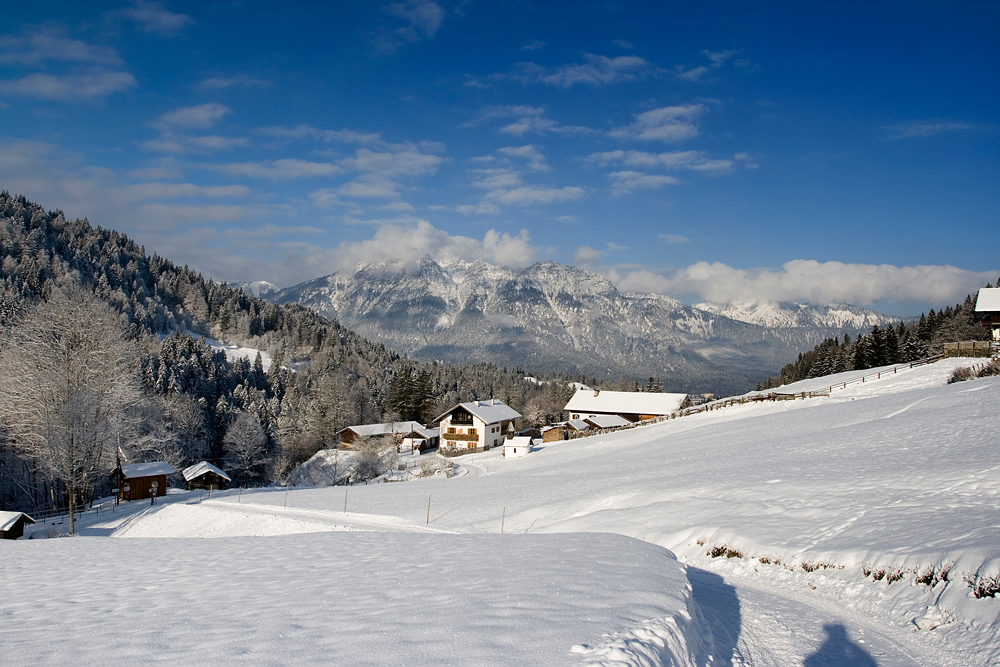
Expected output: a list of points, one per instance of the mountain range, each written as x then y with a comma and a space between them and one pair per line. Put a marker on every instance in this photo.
564, 319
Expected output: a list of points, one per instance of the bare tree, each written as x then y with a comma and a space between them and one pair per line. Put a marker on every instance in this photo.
68, 384
374, 456
245, 450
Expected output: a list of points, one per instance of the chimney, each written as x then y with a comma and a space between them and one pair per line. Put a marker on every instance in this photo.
493, 401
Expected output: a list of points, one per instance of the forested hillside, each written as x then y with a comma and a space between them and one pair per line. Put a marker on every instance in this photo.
197, 404
883, 346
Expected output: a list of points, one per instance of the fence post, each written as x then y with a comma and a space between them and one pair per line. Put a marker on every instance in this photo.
503, 518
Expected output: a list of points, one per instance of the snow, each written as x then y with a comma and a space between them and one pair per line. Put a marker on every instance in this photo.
624, 402
234, 352
988, 300
191, 472
490, 412
8, 519
133, 470
898, 474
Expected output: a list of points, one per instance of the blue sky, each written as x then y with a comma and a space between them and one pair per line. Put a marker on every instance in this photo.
722, 151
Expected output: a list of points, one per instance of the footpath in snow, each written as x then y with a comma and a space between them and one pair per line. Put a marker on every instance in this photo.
845, 525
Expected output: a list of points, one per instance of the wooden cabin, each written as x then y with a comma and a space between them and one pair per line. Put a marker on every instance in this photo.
12, 524
206, 476
351, 434
142, 480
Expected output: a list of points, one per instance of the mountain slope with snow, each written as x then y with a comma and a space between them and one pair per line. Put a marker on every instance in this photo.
553, 317
853, 524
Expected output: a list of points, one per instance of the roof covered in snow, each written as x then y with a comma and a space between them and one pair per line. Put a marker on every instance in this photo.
8, 519
491, 411
607, 421
375, 430
988, 300
426, 433
199, 469
625, 402
132, 470
578, 424
518, 441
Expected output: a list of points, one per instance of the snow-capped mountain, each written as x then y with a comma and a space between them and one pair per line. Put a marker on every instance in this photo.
552, 317
779, 314
259, 288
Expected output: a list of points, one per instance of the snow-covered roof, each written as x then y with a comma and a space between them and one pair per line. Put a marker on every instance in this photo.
578, 424
199, 469
426, 433
607, 421
132, 470
988, 300
625, 402
491, 411
375, 430
8, 519
518, 441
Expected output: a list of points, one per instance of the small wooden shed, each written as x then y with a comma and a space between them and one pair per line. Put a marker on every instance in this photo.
516, 447
12, 524
142, 480
204, 475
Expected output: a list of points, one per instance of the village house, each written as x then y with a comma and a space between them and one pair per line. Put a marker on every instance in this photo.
516, 447
351, 434
988, 309
12, 524
142, 480
419, 440
204, 475
476, 425
606, 421
633, 406
564, 430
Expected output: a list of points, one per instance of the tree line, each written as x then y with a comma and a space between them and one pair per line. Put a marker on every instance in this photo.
888, 345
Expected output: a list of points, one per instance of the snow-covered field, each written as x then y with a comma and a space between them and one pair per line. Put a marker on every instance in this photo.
804, 503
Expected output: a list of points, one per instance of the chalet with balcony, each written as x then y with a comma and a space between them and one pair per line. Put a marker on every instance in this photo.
476, 425
633, 406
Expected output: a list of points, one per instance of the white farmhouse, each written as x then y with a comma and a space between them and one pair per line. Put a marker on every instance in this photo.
517, 446
475, 425
631, 405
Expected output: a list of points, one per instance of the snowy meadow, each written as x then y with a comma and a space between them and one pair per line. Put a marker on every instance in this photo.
859, 528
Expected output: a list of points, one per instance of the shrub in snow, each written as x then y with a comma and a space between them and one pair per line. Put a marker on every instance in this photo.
961, 375
992, 368
932, 576
984, 586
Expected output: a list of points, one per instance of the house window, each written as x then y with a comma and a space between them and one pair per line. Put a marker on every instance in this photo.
451, 443
472, 431
451, 430
471, 445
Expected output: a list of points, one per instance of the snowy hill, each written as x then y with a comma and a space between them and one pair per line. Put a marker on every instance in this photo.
553, 317
857, 524
258, 288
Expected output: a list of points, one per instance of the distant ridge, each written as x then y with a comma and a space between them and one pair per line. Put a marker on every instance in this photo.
559, 318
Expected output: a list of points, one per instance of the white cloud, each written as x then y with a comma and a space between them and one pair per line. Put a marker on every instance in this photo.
201, 117
301, 131
674, 238
526, 119
288, 168
175, 190
239, 81
586, 256
369, 187
625, 182
422, 19
533, 45
916, 129
716, 60
324, 198
621, 43
66, 87
39, 45
527, 195
482, 208
175, 214
689, 160
408, 161
597, 70
152, 17
811, 281
533, 157
567, 218
673, 123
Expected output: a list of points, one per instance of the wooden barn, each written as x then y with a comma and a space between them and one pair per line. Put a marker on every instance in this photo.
142, 480
204, 475
12, 524
630, 405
